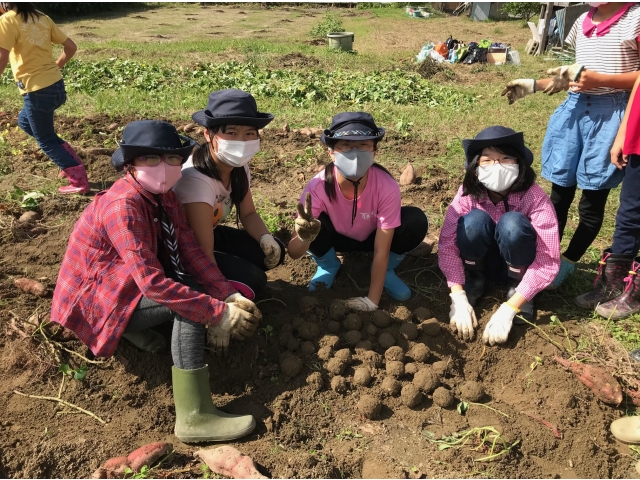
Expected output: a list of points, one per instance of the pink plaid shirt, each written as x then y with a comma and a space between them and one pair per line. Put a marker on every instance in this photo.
112, 261
533, 204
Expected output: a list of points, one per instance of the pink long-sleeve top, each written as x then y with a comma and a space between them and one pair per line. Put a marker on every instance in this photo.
533, 204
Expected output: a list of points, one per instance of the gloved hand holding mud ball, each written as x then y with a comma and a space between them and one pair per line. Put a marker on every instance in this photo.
240, 320
564, 78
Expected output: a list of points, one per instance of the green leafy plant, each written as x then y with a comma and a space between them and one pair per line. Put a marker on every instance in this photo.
486, 439
77, 373
524, 10
462, 408
329, 24
143, 473
347, 434
27, 200
206, 472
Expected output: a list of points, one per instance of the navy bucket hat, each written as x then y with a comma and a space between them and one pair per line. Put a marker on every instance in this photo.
146, 137
231, 107
352, 126
495, 137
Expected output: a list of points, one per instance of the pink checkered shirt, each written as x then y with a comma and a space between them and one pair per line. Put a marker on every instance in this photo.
533, 204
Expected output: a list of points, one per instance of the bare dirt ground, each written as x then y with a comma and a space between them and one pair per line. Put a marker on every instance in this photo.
302, 431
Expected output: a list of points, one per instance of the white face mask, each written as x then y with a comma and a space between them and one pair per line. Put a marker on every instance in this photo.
498, 178
236, 153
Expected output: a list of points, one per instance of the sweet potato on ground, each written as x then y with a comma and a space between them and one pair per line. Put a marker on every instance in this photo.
30, 286
229, 462
148, 455
597, 379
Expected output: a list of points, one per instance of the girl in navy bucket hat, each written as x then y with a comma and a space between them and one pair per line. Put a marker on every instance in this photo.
500, 225
216, 178
354, 205
133, 263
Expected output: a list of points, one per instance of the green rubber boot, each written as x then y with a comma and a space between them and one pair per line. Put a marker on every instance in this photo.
197, 418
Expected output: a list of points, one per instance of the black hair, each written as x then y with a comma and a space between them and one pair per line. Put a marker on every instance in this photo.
329, 184
203, 162
25, 9
472, 186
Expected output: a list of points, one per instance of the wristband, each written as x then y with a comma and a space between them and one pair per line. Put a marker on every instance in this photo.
517, 310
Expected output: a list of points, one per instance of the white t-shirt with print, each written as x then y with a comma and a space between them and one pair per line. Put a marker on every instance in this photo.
196, 187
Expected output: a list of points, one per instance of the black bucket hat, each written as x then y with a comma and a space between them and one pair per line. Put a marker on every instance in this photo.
495, 137
145, 137
231, 107
352, 126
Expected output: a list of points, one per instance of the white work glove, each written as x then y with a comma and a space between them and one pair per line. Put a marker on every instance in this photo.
562, 76
361, 304
520, 88
462, 316
219, 340
498, 328
241, 318
307, 227
271, 250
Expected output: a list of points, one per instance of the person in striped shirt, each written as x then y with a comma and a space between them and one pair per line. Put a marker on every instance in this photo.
576, 148
500, 225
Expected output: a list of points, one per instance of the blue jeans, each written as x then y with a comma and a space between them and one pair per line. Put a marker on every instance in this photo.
626, 238
511, 241
36, 119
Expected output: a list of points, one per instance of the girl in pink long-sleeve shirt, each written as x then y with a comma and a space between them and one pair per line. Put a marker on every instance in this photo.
500, 225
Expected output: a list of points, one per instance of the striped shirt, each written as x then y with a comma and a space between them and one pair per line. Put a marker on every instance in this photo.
533, 204
613, 53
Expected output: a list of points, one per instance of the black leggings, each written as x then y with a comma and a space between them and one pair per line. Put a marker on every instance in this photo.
591, 211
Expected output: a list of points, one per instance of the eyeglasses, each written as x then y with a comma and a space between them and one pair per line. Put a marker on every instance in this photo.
362, 148
485, 161
153, 160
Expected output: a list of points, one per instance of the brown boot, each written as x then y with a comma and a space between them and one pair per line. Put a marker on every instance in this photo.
609, 282
626, 304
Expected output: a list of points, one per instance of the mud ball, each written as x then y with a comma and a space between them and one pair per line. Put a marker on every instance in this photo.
336, 366
352, 337
440, 368
283, 356
338, 384
410, 395
409, 331
386, 340
329, 341
472, 391
333, 326
363, 346
315, 381
309, 331
352, 322
362, 376
296, 323
371, 330
431, 327
426, 380
369, 406
410, 368
422, 313
381, 319
284, 337
291, 366
394, 354
307, 348
287, 327
443, 397
293, 344
395, 369
337, 310
372, 359
307, 303
419, 352
402, 314
391, 386
325, 353
344, 354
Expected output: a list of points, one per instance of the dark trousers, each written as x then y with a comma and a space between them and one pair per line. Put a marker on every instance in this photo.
626, 238
511, 241
412, 230
591, 211
240, 258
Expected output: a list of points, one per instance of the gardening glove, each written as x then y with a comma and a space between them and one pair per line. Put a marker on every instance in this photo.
307, 227
462, 316
241, 318
360, 304
271, 250
498, 328
520, 88
563, 75
219, 340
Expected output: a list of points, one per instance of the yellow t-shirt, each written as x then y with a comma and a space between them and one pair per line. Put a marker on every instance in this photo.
30, 47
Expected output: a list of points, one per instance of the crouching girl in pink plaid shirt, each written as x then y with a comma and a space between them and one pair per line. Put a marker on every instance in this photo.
500, 225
